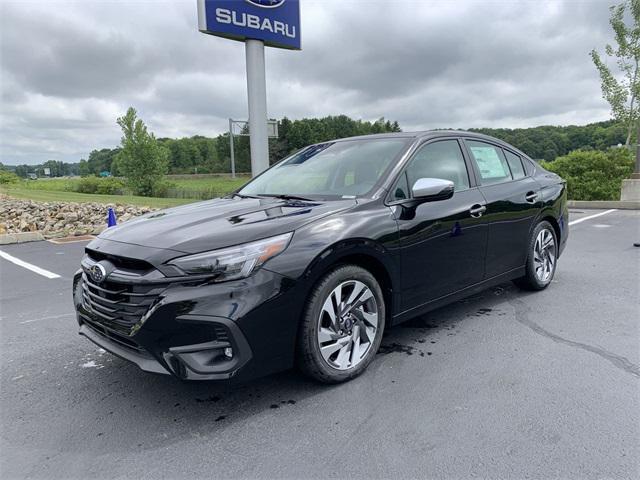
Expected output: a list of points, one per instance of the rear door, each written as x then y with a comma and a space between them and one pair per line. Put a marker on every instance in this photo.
512, 204
442, 242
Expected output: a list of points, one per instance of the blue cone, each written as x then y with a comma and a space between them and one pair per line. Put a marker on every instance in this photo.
111, 218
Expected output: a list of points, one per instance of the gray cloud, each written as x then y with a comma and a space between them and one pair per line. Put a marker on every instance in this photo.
69, 68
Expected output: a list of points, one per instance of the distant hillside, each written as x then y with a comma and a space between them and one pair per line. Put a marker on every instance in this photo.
548, 142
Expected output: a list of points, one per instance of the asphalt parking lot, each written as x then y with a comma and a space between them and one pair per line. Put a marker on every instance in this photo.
505, 384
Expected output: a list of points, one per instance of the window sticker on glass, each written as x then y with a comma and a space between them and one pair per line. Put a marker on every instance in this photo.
489, 162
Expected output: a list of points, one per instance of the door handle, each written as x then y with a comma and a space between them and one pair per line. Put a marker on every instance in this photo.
531, 197
477, 210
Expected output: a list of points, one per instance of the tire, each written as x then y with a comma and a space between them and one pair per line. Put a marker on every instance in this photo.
339, 349
541, 262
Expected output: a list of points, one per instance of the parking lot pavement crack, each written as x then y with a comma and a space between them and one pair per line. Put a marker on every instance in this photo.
522, 316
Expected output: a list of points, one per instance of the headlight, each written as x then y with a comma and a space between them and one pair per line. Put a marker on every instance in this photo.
233, 262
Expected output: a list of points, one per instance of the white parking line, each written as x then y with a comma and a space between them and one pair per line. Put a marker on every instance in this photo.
28, 266
591, 216
52, 317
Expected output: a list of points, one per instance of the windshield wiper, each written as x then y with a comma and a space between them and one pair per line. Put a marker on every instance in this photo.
241, 195
283, 196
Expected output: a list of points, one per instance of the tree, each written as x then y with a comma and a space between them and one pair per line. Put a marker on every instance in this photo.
142, 160
621, 89
83, 168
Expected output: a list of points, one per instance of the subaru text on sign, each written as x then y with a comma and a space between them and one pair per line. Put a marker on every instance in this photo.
275, 22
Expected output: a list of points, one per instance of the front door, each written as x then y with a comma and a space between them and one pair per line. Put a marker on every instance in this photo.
443, 243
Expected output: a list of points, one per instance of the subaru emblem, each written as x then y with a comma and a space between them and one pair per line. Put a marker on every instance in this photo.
97, 273
266, 3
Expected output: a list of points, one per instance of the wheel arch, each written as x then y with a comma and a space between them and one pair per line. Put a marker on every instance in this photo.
364, 253
548, 216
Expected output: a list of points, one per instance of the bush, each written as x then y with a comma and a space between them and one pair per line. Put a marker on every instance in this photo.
101, 186
592, 174
7, 177
161, 189
110, 186
88, 185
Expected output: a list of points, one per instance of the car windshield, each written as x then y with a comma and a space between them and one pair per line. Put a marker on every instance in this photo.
329, 170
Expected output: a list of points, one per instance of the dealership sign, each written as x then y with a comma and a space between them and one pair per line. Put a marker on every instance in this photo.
275, 22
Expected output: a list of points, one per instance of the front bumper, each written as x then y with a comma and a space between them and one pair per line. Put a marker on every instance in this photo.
219, 359
230, 331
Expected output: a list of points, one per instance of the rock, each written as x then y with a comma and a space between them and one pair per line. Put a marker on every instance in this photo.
59, 218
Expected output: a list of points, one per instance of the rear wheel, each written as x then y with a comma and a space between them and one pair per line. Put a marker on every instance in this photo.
542, 258
342, 325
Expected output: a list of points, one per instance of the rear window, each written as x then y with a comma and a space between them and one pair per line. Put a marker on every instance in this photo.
515, 164
490, 161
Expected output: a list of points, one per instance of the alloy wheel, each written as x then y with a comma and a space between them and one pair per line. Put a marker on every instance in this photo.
348, 324
544, 255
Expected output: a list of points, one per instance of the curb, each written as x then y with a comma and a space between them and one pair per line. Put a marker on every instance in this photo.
9, 238
604, 204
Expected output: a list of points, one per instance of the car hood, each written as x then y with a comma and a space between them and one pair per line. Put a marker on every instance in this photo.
221, 222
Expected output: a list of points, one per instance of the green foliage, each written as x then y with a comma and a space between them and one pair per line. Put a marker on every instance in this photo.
83, 168
593, 175
192, 155
162, 188
100, 161
56, 168
621, 89
100, 186
7, 177
142, 160
549, 142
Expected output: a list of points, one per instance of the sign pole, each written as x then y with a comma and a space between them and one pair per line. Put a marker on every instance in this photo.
232, 150
256, 86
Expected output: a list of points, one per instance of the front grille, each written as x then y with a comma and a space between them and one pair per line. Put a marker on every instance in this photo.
119, 306
119, 339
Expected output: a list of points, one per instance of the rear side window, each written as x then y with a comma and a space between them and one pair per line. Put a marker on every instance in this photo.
490, 161
515, 164
529, 166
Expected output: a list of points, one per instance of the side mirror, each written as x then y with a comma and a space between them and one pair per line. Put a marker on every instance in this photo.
432, 189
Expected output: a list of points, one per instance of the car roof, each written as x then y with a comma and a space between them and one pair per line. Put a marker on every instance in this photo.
427, 134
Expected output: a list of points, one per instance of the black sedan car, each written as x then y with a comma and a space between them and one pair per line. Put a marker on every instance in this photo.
309, 262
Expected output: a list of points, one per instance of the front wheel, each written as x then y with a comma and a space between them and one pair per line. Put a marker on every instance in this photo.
342, 325
541, 259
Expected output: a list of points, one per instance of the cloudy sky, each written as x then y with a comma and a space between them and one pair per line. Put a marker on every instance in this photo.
68, 69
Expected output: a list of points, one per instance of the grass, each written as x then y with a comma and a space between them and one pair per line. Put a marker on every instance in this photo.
62, 196
181, 191
195, 183
219, 183
201, 188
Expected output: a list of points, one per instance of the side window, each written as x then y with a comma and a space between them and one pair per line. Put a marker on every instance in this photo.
491, 163
441, 159
515, 164
401, 190
529, 166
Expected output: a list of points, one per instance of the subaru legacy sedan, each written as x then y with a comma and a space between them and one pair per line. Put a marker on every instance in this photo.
309, 262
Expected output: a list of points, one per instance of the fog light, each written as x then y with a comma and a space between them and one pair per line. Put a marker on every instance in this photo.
228, 352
